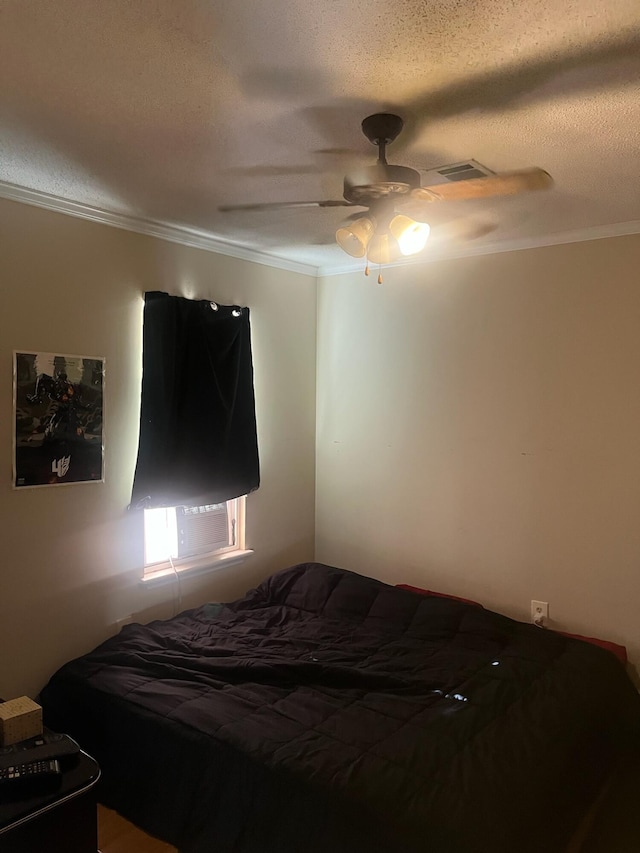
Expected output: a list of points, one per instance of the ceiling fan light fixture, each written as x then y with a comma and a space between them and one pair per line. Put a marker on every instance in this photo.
383, 249
411, 235
354, 238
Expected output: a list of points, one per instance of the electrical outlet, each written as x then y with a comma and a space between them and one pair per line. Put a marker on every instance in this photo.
539, 611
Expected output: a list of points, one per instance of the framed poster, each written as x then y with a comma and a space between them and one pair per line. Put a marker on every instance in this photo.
58, 411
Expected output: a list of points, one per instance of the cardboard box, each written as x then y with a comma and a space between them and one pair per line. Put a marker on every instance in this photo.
19, 719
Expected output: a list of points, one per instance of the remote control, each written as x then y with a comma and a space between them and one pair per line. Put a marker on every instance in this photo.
30, 772
41, 748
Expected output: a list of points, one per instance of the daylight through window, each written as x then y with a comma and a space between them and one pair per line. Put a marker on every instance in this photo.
178, 535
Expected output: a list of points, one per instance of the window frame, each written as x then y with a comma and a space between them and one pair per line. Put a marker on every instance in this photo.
168, 570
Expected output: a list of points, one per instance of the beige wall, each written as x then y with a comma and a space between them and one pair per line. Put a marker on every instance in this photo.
479, 431
71, 555
477, 424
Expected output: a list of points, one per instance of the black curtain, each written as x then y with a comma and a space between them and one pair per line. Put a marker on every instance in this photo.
198, 442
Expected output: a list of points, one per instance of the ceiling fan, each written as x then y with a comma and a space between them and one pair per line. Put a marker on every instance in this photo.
382, 233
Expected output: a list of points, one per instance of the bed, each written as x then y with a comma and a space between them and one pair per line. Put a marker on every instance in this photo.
327, 712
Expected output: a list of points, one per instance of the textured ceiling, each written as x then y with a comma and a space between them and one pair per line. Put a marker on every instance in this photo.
166, 109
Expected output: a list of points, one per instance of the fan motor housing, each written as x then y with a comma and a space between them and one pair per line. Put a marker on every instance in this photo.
380, 181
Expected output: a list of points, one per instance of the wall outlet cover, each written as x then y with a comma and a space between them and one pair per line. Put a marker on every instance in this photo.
539, 610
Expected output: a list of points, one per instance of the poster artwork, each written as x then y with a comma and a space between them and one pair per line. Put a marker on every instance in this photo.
58, 419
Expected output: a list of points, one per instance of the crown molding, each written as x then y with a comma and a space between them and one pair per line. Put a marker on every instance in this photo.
202, 240
152, 228
579, 235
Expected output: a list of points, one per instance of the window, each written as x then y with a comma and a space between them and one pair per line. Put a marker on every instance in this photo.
183, 538
198, 445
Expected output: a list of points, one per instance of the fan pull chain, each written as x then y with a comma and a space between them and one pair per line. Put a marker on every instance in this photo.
366, 272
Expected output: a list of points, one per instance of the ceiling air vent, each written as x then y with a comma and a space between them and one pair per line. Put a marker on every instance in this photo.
455, 172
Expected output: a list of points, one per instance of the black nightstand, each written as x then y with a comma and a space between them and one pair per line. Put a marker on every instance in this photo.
62, 819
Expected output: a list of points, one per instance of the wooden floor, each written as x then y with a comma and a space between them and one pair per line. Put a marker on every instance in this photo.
116, 835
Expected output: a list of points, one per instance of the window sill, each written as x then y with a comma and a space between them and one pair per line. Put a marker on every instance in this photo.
193, 568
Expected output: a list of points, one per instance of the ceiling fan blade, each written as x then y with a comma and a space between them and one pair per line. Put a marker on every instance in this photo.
507, 183
283, 205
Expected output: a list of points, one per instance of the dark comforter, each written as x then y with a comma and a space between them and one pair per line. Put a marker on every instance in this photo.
327, 711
